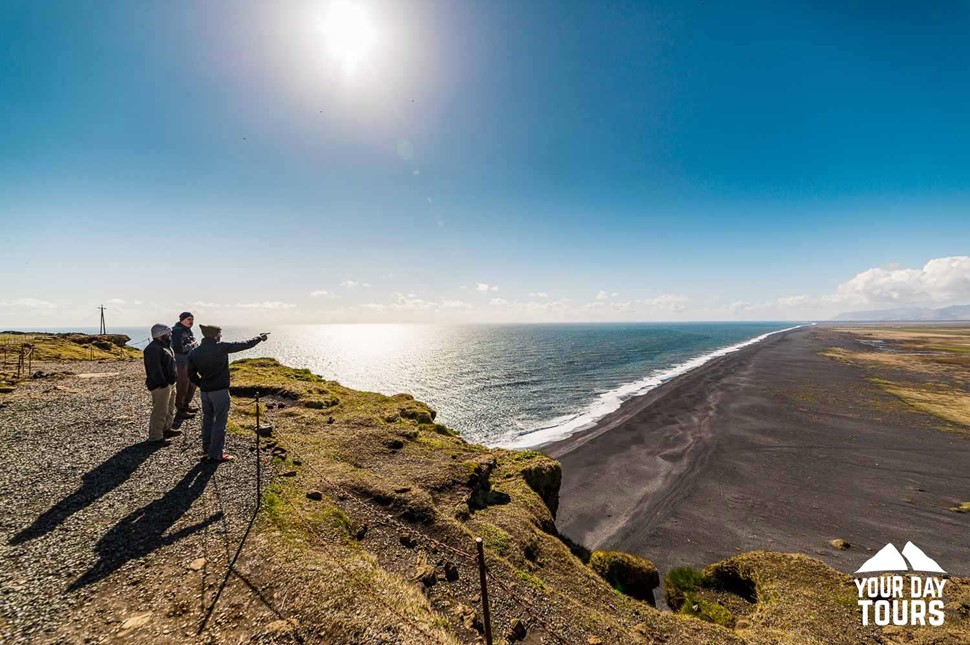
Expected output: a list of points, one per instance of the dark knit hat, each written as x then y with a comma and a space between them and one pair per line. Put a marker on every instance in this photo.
210, 331
184, 315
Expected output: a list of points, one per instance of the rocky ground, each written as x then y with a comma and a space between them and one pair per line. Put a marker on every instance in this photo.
103, 534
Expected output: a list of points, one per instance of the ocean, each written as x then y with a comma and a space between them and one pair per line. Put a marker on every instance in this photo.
503, 385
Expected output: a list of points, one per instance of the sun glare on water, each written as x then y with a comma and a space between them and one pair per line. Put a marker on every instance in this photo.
350, 33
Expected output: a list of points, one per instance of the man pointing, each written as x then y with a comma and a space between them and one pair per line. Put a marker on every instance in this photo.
208, 367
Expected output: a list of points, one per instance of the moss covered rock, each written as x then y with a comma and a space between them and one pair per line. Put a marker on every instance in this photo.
680, 582
544, 476
629, 574
479, 470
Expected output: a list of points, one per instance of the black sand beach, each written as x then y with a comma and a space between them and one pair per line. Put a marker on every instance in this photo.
773, 447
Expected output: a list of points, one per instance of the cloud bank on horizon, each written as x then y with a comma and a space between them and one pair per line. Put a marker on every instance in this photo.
939, 282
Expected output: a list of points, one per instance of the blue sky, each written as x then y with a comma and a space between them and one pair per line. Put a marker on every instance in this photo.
585, 161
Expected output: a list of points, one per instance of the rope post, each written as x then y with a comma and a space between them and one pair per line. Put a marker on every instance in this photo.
20, 360
258, 474
486, 619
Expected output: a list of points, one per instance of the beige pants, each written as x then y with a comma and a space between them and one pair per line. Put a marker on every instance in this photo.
163, 411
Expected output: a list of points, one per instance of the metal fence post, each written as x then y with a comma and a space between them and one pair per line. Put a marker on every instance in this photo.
258, 474
486, 619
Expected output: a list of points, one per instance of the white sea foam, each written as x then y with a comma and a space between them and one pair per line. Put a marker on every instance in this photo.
608, 402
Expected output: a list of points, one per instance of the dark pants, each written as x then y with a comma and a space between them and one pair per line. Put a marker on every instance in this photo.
185, 389
215, 414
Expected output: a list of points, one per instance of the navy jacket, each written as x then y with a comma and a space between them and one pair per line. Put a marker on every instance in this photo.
209, 362
183, 342
159, 365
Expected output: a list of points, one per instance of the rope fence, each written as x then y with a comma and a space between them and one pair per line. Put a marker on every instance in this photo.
17, 356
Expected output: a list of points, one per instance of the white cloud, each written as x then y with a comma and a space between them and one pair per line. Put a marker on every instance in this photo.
605, 295
485, 288
498, 302
29, 303
116, 301
546, 306
353, 284
539, 294
669, 301
941, 281
454, 304
794, 301
267, 304
322, 293
410, 302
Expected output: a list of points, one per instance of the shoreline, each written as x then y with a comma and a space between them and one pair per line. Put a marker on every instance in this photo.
637, 403
771, 447
535, 439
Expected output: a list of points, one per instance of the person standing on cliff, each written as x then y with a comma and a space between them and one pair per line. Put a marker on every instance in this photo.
208, 367
160, 377
183, 342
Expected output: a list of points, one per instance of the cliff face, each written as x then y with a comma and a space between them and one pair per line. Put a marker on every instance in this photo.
368, 534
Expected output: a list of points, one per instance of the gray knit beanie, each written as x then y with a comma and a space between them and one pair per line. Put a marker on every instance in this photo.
210, 331
159, 330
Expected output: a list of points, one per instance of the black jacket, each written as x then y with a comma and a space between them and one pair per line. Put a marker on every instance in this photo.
159, 365
209, 362
183, 342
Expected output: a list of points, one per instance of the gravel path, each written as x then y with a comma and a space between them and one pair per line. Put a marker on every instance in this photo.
101, 533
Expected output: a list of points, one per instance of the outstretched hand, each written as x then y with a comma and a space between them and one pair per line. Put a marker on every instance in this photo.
264, 336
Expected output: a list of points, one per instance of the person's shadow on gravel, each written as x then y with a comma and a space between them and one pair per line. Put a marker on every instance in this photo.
96, 483
142, 531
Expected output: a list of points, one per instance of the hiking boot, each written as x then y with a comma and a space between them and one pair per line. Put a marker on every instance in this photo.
184, 414
168, 434
191, 409
220, 460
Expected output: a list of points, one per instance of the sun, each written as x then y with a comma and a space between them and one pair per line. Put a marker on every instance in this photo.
350, 33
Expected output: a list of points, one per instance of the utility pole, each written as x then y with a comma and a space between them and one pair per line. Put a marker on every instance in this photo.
102, 331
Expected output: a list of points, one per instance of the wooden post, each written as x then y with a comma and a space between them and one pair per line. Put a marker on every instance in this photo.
486, 619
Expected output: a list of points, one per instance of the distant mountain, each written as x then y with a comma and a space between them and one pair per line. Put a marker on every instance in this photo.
956, 312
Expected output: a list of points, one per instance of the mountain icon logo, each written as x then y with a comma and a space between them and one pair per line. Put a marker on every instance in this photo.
889, 558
